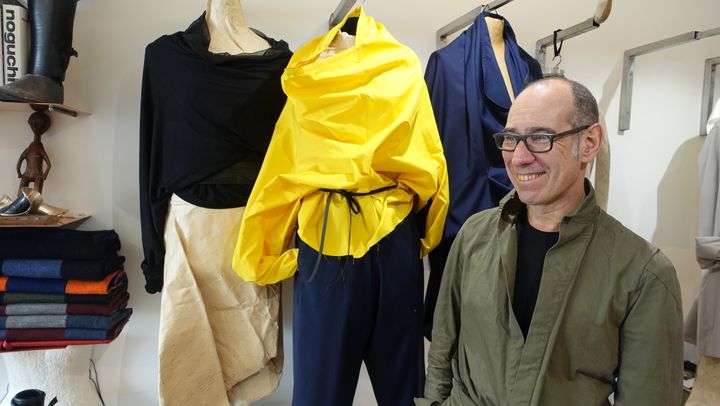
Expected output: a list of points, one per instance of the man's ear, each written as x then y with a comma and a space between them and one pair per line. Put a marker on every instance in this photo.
591, 143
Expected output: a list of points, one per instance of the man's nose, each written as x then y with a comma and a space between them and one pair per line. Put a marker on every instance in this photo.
521, 155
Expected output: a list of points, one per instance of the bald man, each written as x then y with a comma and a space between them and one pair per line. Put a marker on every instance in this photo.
548, 300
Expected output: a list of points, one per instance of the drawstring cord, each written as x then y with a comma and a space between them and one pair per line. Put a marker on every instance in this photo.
353, 208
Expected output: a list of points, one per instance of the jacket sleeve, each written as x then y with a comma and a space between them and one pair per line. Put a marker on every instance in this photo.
153, 203
446, 331
651, 345
270, 219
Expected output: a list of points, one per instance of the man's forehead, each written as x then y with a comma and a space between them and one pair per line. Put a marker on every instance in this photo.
540, 106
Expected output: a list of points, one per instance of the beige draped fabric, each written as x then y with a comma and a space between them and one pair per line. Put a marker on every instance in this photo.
601, 180
220, 337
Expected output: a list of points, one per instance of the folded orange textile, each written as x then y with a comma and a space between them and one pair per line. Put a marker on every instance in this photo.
80, 287
66, 286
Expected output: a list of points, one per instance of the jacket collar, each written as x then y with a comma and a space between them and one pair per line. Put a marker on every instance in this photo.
511, 207
492, 79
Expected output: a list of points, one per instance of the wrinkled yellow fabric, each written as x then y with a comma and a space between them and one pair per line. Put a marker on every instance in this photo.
358, 120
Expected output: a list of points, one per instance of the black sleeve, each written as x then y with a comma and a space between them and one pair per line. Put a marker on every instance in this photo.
153, 202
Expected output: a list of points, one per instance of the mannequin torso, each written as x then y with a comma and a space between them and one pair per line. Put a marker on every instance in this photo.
228, 31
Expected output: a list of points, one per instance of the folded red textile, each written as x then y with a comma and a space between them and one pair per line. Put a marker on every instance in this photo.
7, 346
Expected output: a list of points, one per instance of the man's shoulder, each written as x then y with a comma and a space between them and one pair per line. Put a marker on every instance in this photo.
480, 226
482, 220
621, 237
628, 247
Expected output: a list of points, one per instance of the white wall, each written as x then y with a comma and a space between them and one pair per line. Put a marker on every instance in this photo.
653, 185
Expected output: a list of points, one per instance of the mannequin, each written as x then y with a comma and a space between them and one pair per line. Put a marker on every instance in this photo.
58, 373
496, 31
220, 338
228, 31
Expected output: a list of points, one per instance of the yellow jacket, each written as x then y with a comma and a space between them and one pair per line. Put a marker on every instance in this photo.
358, 121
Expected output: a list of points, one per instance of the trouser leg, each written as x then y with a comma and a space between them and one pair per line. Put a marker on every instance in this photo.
331, 325
395, 358
437, 258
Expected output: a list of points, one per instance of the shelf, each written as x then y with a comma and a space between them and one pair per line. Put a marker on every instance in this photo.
40, 220
60, 108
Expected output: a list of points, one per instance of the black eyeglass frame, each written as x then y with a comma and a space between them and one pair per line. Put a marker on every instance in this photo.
501, 136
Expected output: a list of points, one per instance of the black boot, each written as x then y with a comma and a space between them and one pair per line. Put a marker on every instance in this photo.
51, 29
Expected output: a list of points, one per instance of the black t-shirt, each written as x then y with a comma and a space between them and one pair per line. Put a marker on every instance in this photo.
533, 244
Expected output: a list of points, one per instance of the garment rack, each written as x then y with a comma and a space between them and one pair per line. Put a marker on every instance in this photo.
708, 92
466, 19
629, 68
341, 11
602, 12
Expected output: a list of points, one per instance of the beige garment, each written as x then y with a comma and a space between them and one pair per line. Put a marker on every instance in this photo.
601, 182
220, 339
706, 389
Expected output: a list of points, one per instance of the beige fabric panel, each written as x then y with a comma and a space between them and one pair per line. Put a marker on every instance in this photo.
601, 180
220, 340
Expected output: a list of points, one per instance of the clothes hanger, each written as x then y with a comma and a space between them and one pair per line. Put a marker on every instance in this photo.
350, 26
557, 48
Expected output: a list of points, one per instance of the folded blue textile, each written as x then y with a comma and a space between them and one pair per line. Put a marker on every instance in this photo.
36, 285
63, 321
91, 270
46, 334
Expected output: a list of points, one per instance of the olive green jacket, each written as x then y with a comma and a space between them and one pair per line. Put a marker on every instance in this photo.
608, 318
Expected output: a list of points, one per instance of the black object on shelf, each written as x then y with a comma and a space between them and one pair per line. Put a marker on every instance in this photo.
31, 397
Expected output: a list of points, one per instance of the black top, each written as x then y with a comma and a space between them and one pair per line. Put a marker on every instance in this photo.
533, 244
205, 123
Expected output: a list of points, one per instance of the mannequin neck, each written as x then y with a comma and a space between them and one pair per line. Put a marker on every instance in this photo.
496, 31
228, 30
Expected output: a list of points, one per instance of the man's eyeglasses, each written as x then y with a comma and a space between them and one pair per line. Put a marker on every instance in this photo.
508, 141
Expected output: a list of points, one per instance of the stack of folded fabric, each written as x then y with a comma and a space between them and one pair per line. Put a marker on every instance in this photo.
60, 287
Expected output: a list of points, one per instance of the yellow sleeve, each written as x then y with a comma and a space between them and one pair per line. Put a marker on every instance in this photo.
440, 201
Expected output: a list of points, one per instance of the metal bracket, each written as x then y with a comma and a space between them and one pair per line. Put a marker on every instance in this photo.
601, 14
629, 67
577, 29
708, 92
466, 19
341, 11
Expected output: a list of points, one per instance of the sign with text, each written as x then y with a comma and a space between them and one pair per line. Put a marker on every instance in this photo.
15, 39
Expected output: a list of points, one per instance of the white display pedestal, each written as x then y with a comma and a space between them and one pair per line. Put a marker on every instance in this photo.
59, 373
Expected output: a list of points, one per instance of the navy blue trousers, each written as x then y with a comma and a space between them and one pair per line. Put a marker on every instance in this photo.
368, 309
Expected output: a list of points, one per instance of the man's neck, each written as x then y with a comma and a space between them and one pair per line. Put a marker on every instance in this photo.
548, 218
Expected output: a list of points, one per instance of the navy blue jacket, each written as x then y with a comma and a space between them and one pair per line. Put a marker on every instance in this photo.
471, 103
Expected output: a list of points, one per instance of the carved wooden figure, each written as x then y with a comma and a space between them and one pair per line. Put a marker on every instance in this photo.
37, 162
